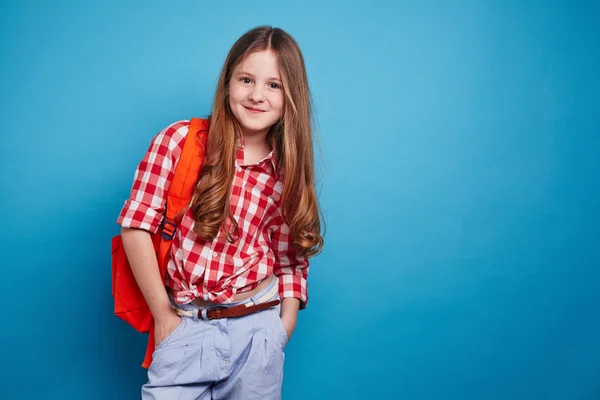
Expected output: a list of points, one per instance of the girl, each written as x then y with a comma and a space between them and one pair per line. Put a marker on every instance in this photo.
246, 237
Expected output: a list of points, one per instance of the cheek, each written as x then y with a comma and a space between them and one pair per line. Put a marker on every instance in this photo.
277, 103
234, 95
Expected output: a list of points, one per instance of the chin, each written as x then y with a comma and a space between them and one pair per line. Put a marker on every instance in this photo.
254, 126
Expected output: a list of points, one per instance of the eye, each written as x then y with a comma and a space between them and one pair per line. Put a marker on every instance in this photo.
246, 80
274, 85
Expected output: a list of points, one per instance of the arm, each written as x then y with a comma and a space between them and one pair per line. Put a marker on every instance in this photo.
289, 314
144, 265
291, 270
142, 214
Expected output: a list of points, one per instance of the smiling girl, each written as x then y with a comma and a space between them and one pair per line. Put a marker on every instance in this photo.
244, 241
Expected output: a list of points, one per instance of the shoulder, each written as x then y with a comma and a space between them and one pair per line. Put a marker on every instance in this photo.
172, 136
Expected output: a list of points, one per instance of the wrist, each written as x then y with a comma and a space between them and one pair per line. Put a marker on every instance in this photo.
163, 313
289, 308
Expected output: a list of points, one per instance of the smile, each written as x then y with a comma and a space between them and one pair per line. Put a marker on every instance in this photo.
253, 110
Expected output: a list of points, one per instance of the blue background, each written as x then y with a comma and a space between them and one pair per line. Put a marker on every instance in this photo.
461, 190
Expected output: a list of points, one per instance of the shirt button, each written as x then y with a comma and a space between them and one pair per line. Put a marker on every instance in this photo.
215, 254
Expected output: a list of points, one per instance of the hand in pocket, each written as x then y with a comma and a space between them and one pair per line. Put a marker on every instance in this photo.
165, 326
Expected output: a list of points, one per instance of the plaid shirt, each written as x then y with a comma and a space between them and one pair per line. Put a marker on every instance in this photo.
216, 270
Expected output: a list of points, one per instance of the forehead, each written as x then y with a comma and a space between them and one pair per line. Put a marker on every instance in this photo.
261, 63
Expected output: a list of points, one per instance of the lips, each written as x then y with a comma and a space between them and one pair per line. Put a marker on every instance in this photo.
254, 110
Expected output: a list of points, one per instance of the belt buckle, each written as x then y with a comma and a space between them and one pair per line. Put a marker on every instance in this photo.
216, 311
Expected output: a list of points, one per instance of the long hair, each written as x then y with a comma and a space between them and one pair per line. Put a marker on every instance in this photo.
291, 138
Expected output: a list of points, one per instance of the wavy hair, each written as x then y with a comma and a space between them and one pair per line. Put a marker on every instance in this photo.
291, 139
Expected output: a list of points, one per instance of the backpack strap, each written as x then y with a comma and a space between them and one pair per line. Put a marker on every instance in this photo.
185, 175
182, 185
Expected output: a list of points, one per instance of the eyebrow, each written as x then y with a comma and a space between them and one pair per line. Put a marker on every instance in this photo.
252, 76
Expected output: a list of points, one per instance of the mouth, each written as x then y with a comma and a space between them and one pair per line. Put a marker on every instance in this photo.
254, 110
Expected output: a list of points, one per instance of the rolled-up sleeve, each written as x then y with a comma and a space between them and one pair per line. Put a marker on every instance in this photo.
290, 267
146, 203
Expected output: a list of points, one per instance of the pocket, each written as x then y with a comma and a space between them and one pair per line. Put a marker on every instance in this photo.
171, 335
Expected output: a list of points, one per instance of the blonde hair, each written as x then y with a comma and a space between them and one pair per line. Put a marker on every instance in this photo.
291, 138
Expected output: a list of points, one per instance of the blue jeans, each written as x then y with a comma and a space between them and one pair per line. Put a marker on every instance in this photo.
229, 358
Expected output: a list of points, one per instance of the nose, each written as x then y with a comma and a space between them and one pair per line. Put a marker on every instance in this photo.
256, 94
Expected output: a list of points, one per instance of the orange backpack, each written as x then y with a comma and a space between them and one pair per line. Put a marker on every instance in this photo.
130, 304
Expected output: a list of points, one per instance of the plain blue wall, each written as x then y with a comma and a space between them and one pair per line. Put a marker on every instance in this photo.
461, 144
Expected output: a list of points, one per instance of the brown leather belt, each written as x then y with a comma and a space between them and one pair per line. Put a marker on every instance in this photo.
229, 312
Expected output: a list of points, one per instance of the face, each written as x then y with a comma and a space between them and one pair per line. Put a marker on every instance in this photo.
256, 93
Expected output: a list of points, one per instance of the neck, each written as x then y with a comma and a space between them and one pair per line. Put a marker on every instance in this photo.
255, 147
256, 141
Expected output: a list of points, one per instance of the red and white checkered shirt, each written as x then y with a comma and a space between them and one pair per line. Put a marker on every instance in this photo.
216, 270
